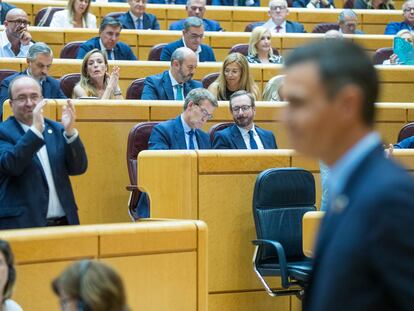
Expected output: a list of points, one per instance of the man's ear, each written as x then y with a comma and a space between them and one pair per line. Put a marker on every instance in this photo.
350, 101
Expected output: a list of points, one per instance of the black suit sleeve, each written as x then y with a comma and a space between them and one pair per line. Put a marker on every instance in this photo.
220, 142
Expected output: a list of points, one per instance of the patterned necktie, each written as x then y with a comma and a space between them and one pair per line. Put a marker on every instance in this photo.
179, 89
278, 28
253, 144
191, 142
139, 24
109, 53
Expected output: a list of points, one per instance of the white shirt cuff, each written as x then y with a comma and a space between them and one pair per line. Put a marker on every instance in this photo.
71, 139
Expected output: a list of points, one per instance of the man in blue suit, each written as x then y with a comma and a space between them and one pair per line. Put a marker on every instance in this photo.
137, 18
408, 12
193, 34
37, 156
236, 2
108, 41
39, 60
197, 8
243, 134
278, 11
176, 83
365, 248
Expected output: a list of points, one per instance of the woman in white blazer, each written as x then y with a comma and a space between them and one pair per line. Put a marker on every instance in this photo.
76, 15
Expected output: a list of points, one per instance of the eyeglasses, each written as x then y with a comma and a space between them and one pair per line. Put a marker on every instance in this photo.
24, 99
279, 7
20, 22
244, 108
205, 113
408, 10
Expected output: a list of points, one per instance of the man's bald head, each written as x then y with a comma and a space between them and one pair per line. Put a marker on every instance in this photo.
16, 21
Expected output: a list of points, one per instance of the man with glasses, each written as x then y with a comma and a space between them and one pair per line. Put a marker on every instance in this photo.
176, 83
39, 60
37, 155
243, 134
408, 23
193, 34
197, 8
137, 18
278, 11
348, 23
108, 41
15, 40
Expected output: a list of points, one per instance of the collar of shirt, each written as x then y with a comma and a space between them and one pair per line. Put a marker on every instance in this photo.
173, 81
186, 127
4, 40
29, 73
273, 25
134, 18
198, 50
103, 47
344, 167
245, 133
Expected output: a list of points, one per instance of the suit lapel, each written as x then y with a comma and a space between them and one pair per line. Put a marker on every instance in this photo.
46, 89
145, 22
263, 138
187, 88
179, 133
237, 137
202, 143
167, 86
289, 27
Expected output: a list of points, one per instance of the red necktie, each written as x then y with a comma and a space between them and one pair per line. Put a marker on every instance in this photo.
278, 27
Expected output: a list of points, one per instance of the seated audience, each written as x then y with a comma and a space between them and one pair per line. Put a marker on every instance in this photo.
243, 134
37, 155
278, 11
197, 8
236, 2
193, 34
108, 41
407, 36
272, 91
260, 47
95, 80
374, 4
90, 285
314, 4
4, 8
234, 76
15, 40
176, 83
348, 22
76, 15
7, 278
39, 61
408, 22
137, 18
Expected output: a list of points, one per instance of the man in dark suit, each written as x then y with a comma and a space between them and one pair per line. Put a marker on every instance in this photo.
197, 8
348, 22
176, 83
365, 248
4, 8
193, 34
108, 41
243, 134
37, 156
408, 23
137, 18
278, 11
39, 60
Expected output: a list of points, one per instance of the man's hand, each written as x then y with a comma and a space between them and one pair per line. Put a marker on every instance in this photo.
69, 117
25, 37
38, 120
389, 151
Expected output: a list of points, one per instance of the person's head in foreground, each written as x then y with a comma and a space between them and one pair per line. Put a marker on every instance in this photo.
90, 286
199, 106
331, 87
7, 275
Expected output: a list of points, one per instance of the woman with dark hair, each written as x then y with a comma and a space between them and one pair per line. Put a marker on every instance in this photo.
7, 277
90, 286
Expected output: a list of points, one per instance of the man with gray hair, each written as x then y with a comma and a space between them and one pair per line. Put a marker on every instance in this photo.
193, 34
108, 41
408, 23
176, 83
277, 24
39, 60
348, 23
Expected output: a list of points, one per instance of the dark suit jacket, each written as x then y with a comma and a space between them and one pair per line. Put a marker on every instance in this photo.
24, 194
209, 25
50, 89
231, 2
5, 7
365, 250
121, 51
159, 87
394, 27
149, 21
169, 135
294, 27
231, 138
206, 55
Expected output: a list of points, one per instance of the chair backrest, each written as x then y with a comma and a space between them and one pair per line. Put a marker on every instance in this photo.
45, 15
70, 50
348, 4
4, 73
208, 79
406, 131
134, 90
68, 82
281, 197
324, 27
155, 52
251, 26
243, 48
115, 15
218, 127
381, 55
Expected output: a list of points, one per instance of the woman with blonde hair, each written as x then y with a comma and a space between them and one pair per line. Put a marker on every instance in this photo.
234, 76
260, 47
95, 80
272, 89
76, 15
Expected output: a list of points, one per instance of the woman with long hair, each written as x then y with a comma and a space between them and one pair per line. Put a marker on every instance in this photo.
76, 15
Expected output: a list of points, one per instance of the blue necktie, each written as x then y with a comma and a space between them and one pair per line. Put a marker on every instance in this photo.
179, 89
139, 24
109, 53
253, 144
191, 142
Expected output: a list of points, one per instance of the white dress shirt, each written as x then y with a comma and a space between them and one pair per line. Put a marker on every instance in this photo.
5, 47
270, 24
61, 20
246, 137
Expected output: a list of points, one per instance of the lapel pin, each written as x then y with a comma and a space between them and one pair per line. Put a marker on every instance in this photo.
50, 131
